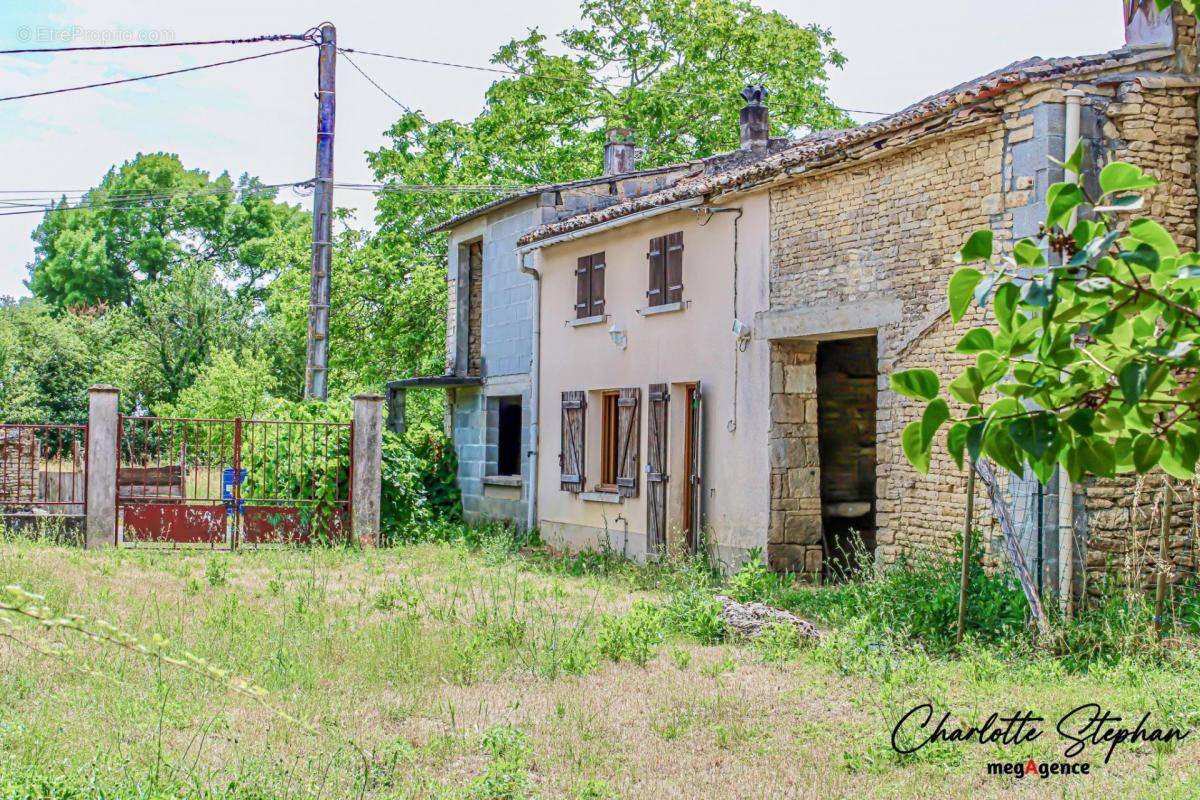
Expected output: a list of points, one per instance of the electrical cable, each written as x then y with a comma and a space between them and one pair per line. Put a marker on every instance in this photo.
503, 71
270, 37
372, 81
154, 75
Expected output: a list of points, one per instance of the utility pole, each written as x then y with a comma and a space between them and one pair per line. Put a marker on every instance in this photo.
317, 365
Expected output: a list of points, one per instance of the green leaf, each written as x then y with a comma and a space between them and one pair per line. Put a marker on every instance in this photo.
1075, 162
977, 248
1121, 177
1004, 305
976, 340
1000, 446
936, 413
1098, 458
1132, 380
968, 386
1155, 235
1147, 450
915, 449
1035, 433
1080, 421
956, 441
962, 290
1027, 253
920, 383
1061, 200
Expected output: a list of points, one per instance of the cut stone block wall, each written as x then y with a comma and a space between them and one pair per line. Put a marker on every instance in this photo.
794, 539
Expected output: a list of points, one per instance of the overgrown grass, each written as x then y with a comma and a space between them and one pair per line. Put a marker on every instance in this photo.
481, 666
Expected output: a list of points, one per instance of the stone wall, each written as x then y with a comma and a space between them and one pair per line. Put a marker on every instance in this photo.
474, 308
1157, 130
885, 229
794, 538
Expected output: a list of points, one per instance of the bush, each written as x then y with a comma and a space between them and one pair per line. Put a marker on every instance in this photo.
634, 636
419, 499
917, 599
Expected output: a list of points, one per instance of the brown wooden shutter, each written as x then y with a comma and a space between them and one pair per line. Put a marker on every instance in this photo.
696, 468
674, 269
583, 287
657, 257
656, 468
597, 285
628, 442
570, 458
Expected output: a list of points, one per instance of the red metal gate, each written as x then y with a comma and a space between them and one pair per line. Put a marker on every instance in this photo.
228, 482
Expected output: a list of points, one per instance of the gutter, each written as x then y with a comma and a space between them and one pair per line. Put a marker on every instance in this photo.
1066, 491
534, 391
616, 222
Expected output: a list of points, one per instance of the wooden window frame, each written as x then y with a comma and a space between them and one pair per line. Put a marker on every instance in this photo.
610, 440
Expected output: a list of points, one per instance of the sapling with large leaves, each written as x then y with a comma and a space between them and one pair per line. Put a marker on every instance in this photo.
1086, 350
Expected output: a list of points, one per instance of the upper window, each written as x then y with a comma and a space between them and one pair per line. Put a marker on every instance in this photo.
666, 270
589, 286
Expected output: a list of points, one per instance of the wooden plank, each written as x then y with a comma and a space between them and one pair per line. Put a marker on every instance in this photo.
571, 455
656, 293
628, 442
656, 464
674, 268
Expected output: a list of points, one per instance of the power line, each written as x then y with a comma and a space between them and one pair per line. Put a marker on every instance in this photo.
371, 80
125, 203
618, 84
270, 37
154, 75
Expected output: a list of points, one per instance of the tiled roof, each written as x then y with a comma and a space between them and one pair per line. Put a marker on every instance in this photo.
724, 172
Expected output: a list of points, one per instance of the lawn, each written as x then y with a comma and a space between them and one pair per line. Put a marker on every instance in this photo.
436, 671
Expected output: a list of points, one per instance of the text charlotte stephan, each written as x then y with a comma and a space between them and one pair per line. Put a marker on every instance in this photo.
1086, 726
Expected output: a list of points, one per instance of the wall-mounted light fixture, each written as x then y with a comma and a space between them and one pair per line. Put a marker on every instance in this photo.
617, 334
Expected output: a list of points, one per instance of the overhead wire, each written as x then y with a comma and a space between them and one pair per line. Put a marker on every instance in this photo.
154, 75
564, 79
269, 37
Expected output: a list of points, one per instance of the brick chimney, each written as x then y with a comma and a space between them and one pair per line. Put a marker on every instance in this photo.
618, 151
755, 119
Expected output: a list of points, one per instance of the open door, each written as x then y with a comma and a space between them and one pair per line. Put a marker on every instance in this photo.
693, 491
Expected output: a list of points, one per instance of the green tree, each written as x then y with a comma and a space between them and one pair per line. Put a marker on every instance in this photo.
164, 339
145, 218
670, 70
47, 362
1092, 348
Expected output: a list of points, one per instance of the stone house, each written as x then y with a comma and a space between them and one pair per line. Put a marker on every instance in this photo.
733, 376
489, 330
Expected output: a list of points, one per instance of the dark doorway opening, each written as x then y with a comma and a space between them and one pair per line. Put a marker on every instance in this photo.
508, 436
847, 389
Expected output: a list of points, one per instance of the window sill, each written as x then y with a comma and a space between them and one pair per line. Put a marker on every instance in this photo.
665, 308
502, 480
601, 497
582, 321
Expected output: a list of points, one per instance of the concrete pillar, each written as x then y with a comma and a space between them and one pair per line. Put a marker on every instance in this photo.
368, 457
102, 467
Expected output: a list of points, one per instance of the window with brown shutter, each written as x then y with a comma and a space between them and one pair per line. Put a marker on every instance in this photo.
570, 457
619, 442
665, 259
589, 286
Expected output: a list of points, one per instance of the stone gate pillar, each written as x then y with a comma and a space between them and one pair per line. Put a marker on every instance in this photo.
367, 475
101, 529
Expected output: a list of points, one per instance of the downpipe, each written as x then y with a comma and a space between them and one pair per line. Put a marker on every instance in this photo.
534, 389
1066, 491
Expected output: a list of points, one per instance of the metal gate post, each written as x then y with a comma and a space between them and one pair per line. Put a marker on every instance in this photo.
101, 470
366, 461
236, 512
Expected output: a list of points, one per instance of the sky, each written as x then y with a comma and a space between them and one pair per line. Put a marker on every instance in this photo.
259, 117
